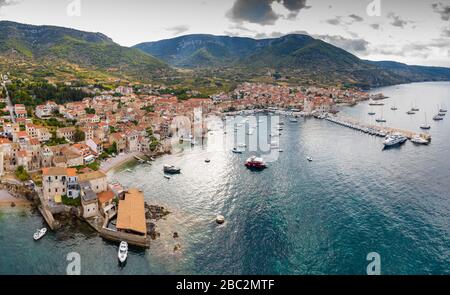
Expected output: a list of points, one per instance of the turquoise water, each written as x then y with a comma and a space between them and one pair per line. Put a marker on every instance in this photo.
295, 217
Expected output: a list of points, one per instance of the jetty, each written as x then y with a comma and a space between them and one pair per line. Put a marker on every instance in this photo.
375, 130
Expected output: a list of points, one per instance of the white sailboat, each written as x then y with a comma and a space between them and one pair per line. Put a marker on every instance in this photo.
425, 125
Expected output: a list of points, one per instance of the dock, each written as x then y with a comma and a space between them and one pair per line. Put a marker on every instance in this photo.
375, 130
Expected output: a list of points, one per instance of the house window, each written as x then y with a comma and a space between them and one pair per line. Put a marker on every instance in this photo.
56, 190
56, 177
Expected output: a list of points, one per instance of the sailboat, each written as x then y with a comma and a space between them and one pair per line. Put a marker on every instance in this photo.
415, 108
442, 110
425, 126
381, 120
371, 112
394, 107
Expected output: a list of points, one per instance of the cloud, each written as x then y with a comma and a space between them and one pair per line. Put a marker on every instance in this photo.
375, 26
8, 3
356, 18
397, 21
443, 10
446, 32
356, 46
261, 11
335, 21
176, 30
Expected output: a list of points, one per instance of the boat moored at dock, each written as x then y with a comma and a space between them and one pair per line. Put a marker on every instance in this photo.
39, 234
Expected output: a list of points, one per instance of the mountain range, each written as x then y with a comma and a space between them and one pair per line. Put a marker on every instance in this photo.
49, 51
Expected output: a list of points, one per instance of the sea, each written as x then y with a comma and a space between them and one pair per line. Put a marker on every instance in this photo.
296, 217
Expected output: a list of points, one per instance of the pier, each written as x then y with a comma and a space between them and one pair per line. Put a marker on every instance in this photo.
375, 130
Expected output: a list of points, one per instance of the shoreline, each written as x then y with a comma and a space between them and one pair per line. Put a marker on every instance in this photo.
6, 200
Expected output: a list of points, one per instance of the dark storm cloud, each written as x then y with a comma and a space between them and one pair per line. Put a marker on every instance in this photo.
178, 29
397, 21
443, 10
261, 12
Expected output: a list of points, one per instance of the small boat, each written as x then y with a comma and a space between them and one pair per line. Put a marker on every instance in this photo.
171, 169
280, 151
310, 159
371, 113
255, 163
39, 233
129, 170
123, 252
442, 110
207, 160
438, 118
441, 114
411, 112
415, 108
425, 126
417, 139
293, 120
166, 176
394, 107
236, 151
376, 103
220, 219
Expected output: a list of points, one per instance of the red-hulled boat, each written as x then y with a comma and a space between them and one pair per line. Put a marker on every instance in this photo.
255, 163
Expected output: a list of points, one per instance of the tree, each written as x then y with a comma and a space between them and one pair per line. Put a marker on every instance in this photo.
22, 174
79, 135
89, 110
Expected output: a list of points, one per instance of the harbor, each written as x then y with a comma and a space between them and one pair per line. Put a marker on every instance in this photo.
376, 130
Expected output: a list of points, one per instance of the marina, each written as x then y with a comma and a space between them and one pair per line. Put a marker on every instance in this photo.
375, 130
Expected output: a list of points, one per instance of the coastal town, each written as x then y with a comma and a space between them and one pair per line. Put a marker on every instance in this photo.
63, 152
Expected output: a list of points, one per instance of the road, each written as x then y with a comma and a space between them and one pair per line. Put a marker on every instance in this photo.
8, 101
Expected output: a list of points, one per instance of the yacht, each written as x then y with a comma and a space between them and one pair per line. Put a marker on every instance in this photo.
438, 118
394, 140
381, 119
425, 126
309, 159
39, 233
123, 252
255, 163
419, 140
171, 169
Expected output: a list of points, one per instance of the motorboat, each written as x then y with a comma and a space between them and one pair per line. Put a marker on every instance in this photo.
236, 151
255, 163
381, 120
310, 159
371, 113
410, 112
376, 103
167, 177
417, 139
123, 252
293, 120
394, 140
39, 233
207, 160
171, 169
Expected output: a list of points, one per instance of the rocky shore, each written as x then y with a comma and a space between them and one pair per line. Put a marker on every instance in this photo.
153, 213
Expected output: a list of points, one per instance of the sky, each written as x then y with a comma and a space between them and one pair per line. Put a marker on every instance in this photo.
409, 31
